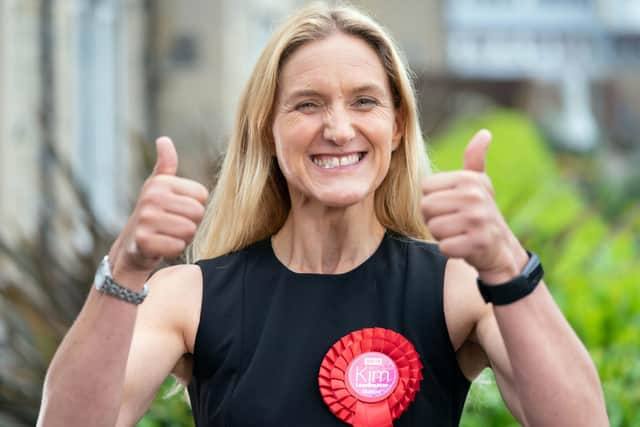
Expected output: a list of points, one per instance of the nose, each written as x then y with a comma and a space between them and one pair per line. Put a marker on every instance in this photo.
338, 127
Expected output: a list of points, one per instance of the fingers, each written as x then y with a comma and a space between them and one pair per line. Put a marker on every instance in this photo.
462, 236
190, 188
159, 245
457, 179
157, 222
475, 155
172, 195
166, 157
161, 186
184, 206
456, 247
450, 201
162, 234
460, 222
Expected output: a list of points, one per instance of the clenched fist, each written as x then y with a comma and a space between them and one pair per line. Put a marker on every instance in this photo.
460, 211
164, 220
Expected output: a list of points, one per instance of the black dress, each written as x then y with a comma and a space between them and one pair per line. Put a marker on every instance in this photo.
264, 331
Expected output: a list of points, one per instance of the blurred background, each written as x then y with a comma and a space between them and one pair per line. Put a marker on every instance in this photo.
87, 85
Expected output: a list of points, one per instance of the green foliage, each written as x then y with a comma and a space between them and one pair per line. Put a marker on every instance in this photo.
589, 260
169, 409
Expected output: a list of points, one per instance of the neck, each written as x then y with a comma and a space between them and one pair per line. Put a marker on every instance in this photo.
320, 239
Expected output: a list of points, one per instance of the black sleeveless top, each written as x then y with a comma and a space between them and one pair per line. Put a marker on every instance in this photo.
264, 331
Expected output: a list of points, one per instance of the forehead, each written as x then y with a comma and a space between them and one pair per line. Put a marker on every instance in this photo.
339, 59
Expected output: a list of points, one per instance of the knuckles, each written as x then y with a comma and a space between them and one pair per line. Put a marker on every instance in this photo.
153, 192
153, 245
479, 180
190, 230
197, 211
175, 248
147, 214
142, 238
477, 216
474, 194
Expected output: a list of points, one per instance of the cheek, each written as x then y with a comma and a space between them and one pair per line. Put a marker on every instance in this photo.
289, 154
292, 137
380, 133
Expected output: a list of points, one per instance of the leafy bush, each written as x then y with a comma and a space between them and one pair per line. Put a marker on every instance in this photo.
591, 265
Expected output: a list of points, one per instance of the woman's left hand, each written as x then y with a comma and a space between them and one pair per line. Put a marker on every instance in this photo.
460, 210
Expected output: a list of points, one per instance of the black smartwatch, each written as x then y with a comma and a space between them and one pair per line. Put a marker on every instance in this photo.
516, 288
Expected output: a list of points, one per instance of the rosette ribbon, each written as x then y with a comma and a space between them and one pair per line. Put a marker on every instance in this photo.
369, 377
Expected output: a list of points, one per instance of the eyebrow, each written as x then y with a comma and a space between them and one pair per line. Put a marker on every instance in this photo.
367, 87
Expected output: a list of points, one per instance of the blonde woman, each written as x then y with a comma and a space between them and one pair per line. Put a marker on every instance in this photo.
315, 236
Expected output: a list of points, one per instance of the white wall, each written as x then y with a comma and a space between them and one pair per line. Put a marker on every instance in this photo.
19, 126
98, 106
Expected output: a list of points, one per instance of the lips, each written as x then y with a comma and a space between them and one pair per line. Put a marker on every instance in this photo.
332, 161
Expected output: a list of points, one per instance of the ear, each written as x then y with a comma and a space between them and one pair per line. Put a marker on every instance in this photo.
398, 128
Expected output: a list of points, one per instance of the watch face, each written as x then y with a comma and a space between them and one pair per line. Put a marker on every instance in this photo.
101, 275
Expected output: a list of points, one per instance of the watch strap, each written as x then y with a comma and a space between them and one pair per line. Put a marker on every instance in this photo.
517, 288
112, 288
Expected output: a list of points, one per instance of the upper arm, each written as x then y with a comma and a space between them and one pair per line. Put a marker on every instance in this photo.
474, 332
164, 332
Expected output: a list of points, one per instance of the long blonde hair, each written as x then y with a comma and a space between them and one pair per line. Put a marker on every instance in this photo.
251, 201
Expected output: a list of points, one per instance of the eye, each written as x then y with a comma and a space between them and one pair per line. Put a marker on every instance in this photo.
306, 106
365, 102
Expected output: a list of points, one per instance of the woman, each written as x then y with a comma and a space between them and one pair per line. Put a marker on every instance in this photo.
315, 230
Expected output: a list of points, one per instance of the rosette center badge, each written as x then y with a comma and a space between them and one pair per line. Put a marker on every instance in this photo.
372, 376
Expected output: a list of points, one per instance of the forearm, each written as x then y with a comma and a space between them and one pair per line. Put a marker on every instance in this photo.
85, 380
555, 379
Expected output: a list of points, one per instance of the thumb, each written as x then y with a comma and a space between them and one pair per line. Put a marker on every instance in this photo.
475, 155
166, 157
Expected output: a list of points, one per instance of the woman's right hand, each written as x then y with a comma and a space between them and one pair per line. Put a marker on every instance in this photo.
163, 222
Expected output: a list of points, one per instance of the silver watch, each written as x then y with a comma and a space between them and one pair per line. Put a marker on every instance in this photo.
105, 284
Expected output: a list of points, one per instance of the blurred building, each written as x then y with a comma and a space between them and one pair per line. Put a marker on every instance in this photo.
98, 79
72, 79
570, 44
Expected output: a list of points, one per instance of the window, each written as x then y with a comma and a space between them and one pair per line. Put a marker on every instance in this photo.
98, 146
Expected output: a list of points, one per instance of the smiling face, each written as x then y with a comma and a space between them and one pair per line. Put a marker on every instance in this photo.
335, 125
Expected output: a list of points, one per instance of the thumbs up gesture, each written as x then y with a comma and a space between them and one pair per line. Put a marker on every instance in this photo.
460, 211
165, 218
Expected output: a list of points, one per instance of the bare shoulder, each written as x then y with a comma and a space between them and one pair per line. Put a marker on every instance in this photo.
165, 325
175, 298
181, 274
463, 309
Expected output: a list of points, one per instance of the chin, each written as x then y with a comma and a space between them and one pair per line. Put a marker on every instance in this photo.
342, 200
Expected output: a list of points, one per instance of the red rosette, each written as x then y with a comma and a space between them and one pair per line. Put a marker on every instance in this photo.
369, 377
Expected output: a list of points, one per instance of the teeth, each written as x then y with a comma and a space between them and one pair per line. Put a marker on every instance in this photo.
326, 162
